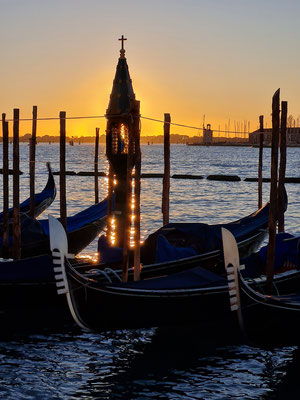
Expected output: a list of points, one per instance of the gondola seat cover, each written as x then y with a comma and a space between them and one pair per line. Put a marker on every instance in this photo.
166, 252
286, 254
285, 251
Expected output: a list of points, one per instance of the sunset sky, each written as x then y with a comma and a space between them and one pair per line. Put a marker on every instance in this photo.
221, 58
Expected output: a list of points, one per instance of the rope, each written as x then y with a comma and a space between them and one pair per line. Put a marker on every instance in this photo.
56, 118
192, 127
148, 118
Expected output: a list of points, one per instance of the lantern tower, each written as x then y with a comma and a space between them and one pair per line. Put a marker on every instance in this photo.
122, 151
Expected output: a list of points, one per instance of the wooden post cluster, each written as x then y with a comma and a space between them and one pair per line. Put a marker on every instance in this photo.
5, 187
273, 191
166, 179
32, 160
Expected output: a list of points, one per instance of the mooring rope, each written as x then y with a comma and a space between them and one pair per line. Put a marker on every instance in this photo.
141, 116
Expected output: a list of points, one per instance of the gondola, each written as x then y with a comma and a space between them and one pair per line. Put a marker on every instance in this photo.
24, 281
266, 318
99, 300
82, 229
42, 200
179, 246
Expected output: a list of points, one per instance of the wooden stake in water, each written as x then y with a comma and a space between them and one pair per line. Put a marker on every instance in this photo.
128, 212
16, 249
273, 192
137, 197
32, 160
166, 179
5, 188
282, 167
260, 159
96, 166
62, 175
110, 201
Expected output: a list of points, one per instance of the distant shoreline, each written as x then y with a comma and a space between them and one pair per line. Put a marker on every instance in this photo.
145, 140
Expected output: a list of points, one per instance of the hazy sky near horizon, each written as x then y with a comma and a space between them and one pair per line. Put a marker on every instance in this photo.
221, 58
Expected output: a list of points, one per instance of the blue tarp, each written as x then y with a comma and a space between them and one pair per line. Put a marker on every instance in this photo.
166, 252
284, 251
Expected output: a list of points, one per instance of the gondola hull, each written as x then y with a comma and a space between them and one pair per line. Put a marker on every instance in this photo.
271, 320
78, 240
272, 316
82, 229
101, 306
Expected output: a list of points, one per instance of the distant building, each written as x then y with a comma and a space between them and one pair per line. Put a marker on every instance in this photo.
207, 135
293, 137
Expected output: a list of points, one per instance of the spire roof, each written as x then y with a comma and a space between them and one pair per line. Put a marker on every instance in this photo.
122, 91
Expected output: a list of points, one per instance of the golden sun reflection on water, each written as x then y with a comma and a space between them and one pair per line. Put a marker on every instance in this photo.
92, 258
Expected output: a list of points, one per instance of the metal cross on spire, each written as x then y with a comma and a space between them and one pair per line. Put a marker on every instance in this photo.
122, 51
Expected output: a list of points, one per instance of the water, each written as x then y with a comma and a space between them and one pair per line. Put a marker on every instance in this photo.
154, 363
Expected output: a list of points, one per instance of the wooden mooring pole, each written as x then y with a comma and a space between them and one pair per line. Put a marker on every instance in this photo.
32, 160
137, 197
282, 167
260, 159
62, 174
273, 192
16, 248
96, 166
166, 179
128, 210
5, 187
110, 202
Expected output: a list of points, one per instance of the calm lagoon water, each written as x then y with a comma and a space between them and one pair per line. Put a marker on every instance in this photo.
154, 363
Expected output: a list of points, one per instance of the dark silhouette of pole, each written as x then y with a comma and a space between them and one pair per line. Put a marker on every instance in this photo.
62, 175
16, 249
110, 201
166, 179
5, 187
128, 209
273, 192
96, 166
282, 167
137, 197
260, 159
32, 160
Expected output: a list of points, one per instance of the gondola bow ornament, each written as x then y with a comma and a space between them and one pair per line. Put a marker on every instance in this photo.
232, 266
59, 249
